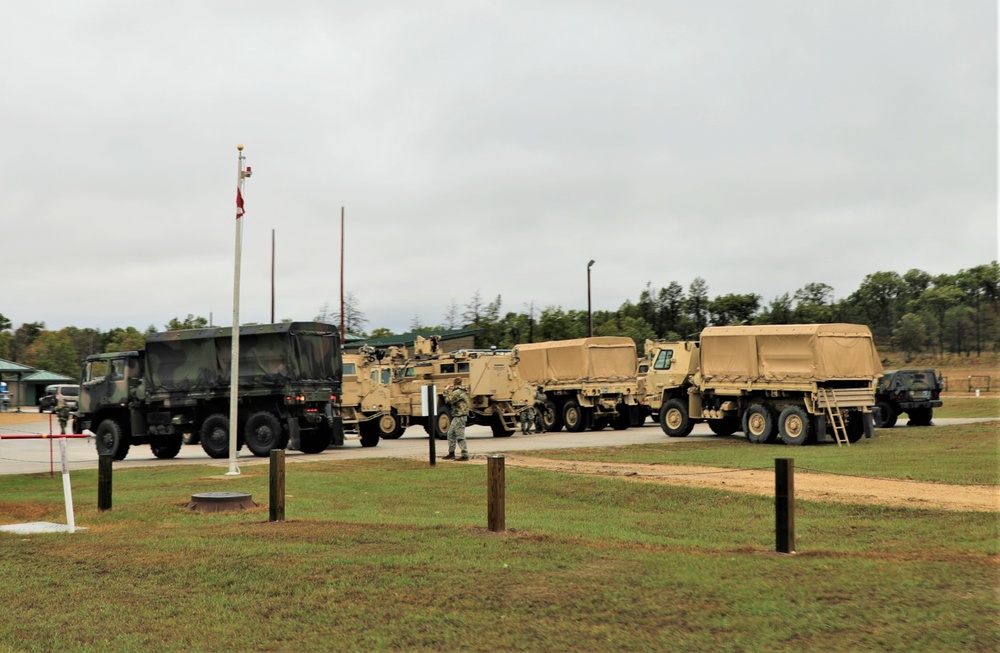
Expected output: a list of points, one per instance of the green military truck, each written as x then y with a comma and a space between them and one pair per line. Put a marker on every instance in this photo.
289, 385
914, 392
799, 383
589, 382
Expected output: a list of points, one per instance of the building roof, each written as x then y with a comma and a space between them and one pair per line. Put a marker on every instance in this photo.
10, 367
43, 376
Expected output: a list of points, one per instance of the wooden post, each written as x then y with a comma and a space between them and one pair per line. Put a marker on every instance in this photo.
276, 501
495, 493
784, 504
103, 482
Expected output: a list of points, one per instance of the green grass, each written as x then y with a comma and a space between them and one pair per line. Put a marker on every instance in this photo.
385, 554
985, 406
963, 454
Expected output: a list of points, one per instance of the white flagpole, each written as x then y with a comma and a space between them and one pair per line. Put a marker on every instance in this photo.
234, 380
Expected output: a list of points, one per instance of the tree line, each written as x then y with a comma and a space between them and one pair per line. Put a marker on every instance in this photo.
912, 313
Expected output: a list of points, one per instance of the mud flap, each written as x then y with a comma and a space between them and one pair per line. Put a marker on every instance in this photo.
869, 421
294, 434
820, 428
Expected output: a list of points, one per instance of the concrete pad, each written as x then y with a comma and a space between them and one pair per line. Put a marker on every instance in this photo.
38, 527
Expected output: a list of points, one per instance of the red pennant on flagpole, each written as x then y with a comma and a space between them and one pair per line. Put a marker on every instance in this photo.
239, 203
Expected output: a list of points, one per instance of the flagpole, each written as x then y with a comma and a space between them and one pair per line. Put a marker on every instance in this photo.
234, 384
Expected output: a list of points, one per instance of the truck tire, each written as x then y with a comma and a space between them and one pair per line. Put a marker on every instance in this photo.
551, 417
920, 417
264, 433
498, 428
758, 424
110, 439
794, 426
214, 436
885, 416
442, 422
855, 426
388, 426
623, 419
166, 446
600, 423
573, 417
368, 432
726, 426
316, 440
674, 419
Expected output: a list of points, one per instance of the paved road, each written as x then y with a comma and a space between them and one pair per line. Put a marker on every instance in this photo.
33, 456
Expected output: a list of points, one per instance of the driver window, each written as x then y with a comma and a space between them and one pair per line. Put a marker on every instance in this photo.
97, 371
663, 359
117, 369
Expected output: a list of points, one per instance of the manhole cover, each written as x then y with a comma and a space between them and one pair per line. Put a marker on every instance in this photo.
219, 501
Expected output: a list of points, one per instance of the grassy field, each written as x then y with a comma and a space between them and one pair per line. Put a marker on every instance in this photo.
386, 554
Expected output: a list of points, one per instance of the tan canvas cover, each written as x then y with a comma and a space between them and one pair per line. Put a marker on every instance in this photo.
791, 353
603, 358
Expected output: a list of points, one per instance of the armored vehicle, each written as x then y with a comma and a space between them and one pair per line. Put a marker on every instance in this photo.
289, 381
589, 382
366, 400
496, 392
914, 392
797, 382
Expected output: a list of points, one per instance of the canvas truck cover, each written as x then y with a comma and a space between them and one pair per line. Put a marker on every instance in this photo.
271, 355
793, 353
606, 358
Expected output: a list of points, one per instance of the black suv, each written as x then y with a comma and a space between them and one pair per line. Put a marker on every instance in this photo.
914, 392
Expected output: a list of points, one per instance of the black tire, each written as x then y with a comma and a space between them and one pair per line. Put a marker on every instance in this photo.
921, 417
442, 422
167, 446
622, 420
110, 439
794, 426
759, 424
855, 426
388, 426
573, 416
674, 419
726, 426
551, 417
884, 416
316, 440
600, 423
264, 433
214, 436
498, 428
368, 432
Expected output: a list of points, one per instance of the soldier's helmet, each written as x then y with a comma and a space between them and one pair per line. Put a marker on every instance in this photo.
457, 381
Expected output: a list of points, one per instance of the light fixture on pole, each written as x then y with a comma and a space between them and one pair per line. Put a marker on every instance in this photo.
590, 317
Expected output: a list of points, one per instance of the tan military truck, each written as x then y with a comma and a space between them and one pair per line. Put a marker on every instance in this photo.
590, 382
497, 394
799, 383
366, 395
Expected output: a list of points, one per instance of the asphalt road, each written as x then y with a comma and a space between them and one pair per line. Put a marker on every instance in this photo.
29, 456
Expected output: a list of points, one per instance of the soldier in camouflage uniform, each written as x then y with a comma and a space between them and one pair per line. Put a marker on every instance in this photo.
63, 413
527, 418
540, 401
458, 399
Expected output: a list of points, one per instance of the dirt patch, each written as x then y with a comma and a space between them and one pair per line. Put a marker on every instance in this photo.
808, 486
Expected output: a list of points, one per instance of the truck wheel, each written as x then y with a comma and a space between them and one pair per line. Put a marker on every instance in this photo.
214, 435
758, 424
111, 440
551, 417
316, 440
166, 446
623, 419
442, 423
726, 426
498, 427
674, 419
855, 426
573, 417
600, 423
388, 426
921, 417
369, 433
794, 425
885, 417
263, 433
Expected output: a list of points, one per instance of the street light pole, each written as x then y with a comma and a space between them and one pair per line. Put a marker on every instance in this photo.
590, 317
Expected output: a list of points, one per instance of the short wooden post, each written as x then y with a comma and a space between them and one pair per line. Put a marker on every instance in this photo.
103, 482
495, 493
784, 504
276, 501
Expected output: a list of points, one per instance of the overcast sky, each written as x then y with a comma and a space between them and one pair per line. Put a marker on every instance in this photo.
484, 146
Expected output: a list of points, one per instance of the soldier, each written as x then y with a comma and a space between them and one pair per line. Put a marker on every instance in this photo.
458, 399
527, 418
540, 401
63, 413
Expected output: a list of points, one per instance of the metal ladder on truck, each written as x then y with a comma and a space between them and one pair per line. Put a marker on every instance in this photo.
835, 416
